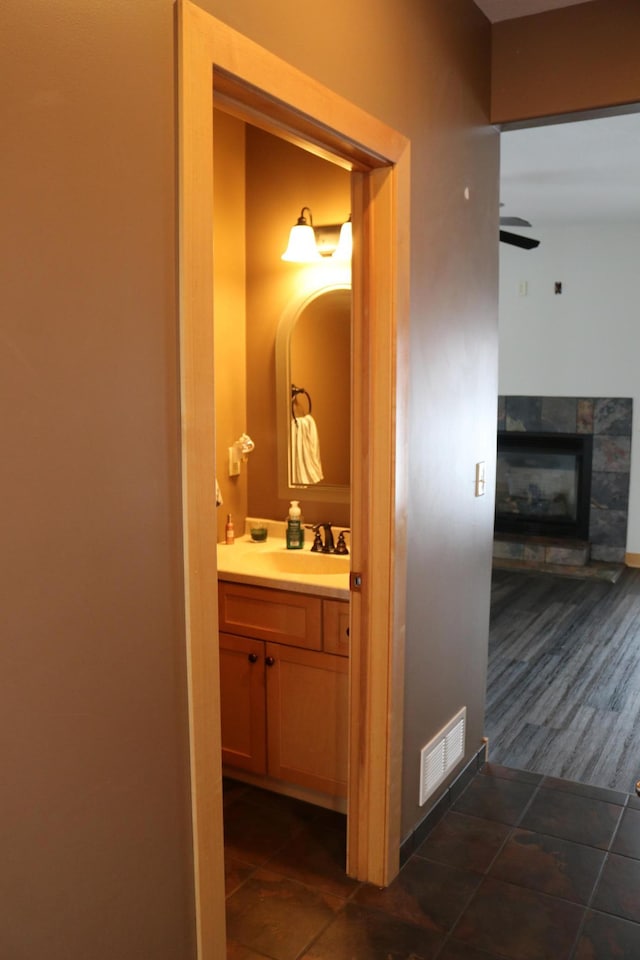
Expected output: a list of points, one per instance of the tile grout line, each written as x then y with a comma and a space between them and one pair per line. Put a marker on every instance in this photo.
485, 873
447, 936
584, 907
588, 906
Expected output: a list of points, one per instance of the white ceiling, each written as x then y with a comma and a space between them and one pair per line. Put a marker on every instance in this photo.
566, 173
582, 172
510, 9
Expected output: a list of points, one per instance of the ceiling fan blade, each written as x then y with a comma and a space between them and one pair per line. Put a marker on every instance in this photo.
517, 241
514, 222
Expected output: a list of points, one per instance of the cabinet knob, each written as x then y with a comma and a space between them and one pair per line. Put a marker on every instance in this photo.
347, 631
269, 661
252, 657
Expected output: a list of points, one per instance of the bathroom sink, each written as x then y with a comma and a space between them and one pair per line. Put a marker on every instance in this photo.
305, 562
270, 564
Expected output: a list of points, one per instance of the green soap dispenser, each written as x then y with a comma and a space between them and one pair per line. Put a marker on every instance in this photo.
295, 531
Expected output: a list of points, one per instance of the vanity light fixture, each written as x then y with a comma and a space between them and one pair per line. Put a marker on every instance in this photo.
309, 244
302, 246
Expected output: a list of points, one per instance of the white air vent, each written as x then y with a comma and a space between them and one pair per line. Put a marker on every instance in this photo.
441, 754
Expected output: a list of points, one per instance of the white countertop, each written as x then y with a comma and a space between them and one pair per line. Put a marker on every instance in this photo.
270, 564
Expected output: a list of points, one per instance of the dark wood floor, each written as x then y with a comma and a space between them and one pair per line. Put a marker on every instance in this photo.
563, 694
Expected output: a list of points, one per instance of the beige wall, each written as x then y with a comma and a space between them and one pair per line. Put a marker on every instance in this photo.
95, 809
576, 58
260, 186
94, 806
281, 179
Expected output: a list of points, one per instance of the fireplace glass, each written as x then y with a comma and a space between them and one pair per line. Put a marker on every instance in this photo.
542, 484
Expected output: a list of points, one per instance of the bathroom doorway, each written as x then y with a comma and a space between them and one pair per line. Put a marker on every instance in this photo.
257, 87
278, 323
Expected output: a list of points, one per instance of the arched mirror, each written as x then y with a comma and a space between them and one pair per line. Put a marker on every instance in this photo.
313, 382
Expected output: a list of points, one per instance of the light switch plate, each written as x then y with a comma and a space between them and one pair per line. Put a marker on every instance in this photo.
234, 462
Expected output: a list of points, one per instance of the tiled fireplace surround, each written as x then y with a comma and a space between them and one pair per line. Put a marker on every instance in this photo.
608, 420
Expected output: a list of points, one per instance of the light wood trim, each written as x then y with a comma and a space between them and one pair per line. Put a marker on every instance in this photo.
632, 559
337, 129
379, 490
288, 618
288, 102
195, 199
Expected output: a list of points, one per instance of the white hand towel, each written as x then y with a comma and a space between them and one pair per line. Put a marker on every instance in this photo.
305, 451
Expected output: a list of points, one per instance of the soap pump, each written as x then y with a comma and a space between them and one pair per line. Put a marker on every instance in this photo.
295, 532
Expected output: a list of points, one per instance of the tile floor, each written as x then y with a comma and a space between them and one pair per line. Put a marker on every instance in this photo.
521, 867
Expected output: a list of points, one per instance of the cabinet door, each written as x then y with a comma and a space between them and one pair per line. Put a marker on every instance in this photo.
307, 714
242, 703
335, 631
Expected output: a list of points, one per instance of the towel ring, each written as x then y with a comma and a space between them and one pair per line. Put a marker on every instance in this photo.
295, 392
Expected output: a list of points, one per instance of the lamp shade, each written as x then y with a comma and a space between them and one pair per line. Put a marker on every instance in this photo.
345, 243
302, 246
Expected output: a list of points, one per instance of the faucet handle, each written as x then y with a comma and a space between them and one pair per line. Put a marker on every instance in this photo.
341, 546
317, 540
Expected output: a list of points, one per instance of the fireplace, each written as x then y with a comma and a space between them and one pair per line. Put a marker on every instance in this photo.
543, 484
606, 425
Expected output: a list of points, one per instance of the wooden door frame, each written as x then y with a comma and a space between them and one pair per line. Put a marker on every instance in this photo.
267, 91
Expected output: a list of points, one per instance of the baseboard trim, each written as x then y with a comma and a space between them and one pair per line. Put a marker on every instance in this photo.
632, 559
419, 833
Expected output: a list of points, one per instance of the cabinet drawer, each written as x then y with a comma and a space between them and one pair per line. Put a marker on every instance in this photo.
266, 614
335, 633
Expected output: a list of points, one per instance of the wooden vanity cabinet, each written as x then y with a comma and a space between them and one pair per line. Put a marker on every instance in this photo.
284, 686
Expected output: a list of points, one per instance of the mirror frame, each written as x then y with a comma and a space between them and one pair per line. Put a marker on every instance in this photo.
323, 492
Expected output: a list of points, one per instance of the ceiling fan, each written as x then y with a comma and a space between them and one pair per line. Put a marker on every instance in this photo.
516, 239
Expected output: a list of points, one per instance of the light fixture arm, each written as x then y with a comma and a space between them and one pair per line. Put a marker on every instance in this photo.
302, 222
